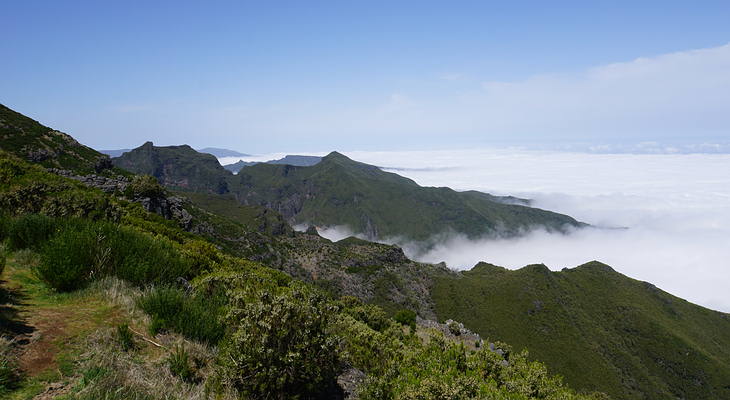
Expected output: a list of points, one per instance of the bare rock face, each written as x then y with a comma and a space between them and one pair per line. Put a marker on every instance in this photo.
169, 207
106, 184
349, 380
39, 155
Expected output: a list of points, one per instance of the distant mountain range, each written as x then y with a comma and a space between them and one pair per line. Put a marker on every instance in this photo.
295, 160
114, 153
222, 152
340, 191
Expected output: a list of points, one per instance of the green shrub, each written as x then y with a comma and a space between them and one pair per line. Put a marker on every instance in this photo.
454, 328
125, 337
67, 260
143, 259
407, 318
30, 231
370, 314
280, 347
82, 250
180, 365
194, 316
144, 186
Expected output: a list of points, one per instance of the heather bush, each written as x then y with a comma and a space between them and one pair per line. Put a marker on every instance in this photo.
67, 260
407, 318
29, 231
280, 346
82, 250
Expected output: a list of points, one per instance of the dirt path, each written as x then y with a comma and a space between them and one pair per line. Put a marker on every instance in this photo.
49, 329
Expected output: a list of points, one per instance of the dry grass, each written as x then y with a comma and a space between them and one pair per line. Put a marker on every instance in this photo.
142, 373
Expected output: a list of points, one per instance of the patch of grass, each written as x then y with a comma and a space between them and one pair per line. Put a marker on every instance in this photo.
125, 337
181, 365
195, 316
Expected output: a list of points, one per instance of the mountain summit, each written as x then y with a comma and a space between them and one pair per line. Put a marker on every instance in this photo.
382, 205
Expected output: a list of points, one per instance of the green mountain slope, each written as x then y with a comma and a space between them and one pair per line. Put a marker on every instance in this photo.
177, 167
379, 204
40, 144
599, 329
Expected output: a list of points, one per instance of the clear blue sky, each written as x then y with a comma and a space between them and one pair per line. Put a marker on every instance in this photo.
306, 75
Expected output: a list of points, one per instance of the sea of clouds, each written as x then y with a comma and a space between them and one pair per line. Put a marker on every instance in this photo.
676, 208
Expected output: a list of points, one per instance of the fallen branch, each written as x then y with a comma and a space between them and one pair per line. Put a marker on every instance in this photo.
147, 340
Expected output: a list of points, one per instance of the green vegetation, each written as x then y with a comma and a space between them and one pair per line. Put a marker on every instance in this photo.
406, 318
126, 339
180, 364
195, 316
599, 329
340, 191
32, 141
295, 323
81, 250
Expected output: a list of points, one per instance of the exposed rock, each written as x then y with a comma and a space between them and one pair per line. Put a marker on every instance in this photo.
106, 184
38, 155
349, 380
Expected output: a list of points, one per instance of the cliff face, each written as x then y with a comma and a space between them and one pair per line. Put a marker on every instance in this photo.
176, 167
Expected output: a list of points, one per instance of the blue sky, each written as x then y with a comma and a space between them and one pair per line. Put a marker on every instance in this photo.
312, 76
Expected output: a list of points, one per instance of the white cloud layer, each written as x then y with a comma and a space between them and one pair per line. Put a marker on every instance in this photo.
676, 208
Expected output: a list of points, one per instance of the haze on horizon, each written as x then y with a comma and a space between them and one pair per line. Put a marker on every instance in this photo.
374, 76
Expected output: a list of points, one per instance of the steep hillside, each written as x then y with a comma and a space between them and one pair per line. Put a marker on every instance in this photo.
599, 329
340, 191
177, 167
40, 144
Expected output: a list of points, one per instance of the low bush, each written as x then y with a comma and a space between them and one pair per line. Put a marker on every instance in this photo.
143, 259
67, 260
194, 316
29, 231
407, 318
144, 186
370, 314
280, 347
82, 250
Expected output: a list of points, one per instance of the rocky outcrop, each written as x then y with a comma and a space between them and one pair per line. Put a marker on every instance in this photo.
169, 207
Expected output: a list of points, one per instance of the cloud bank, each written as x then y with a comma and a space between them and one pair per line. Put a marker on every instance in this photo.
676, 208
